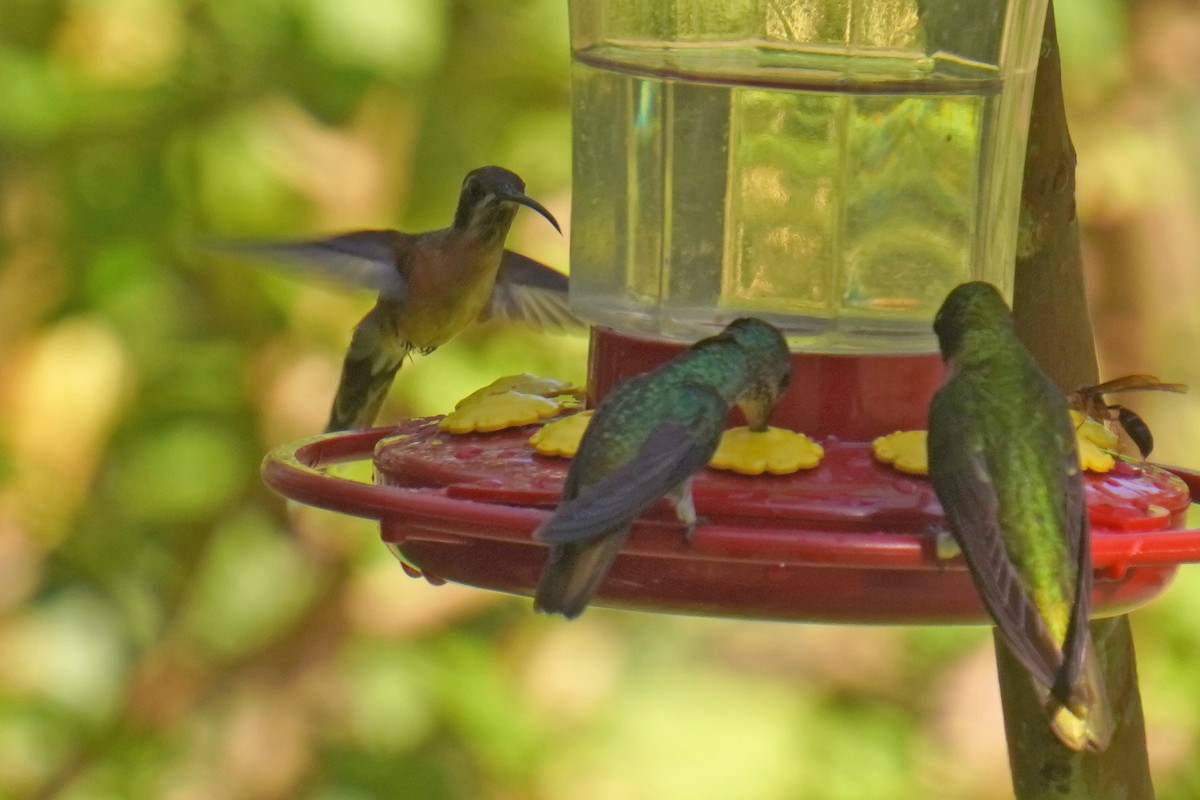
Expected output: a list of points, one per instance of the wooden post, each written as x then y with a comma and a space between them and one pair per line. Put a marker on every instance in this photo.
1049, 304
1050, 311
1042, 768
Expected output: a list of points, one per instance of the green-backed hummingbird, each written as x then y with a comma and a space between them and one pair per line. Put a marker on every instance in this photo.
431, 286
646, 440
1003, 462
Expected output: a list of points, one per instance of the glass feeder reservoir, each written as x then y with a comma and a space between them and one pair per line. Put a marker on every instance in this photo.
832, 166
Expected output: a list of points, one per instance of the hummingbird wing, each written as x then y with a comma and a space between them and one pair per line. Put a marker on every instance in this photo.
529, 291
673, 452
961, 477
363, 259
1079, 548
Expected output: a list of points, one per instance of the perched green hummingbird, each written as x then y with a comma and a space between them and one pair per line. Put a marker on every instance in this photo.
431, 286
1003, 462
645, 441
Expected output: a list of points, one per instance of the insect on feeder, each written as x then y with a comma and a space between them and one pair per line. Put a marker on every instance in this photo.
834, 169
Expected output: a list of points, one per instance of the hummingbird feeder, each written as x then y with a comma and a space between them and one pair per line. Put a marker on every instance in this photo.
835, 174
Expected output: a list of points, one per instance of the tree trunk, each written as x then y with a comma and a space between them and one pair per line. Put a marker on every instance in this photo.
1050, 311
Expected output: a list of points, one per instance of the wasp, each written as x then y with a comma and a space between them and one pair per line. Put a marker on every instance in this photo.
1089, 400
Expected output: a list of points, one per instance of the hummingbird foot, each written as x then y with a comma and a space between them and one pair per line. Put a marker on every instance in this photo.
689, 533
685, 509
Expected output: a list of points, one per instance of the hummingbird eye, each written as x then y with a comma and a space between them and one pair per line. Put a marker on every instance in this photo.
475, 188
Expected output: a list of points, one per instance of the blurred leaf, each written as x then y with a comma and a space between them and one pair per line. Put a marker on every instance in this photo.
251, 585
478, 703
69, 651
1091, 33
392, 705
180, 472
238, 190
206, 376
32, 744
391, 39
429, 775
843, 765
35, 95
675, 734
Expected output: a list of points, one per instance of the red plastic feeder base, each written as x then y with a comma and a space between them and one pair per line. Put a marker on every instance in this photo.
848, 542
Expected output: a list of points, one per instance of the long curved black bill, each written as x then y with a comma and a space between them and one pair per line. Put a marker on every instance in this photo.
529, 202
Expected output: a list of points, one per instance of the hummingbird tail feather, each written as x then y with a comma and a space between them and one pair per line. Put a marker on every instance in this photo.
1086, 723
573, 573
361, 390
375, 354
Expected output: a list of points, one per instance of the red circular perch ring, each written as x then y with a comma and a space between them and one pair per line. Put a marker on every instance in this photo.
787, 548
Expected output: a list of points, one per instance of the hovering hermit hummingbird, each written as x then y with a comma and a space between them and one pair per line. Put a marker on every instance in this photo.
645, 441
431, 286
1003, 463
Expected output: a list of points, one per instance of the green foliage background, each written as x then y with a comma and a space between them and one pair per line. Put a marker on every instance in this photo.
169, 628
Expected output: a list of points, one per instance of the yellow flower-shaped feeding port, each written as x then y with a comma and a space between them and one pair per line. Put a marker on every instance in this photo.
561, 437
526, 384
496, 412
775, 450
906, 451
1094, 442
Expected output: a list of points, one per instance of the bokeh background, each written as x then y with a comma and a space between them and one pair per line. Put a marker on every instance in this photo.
171, 629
